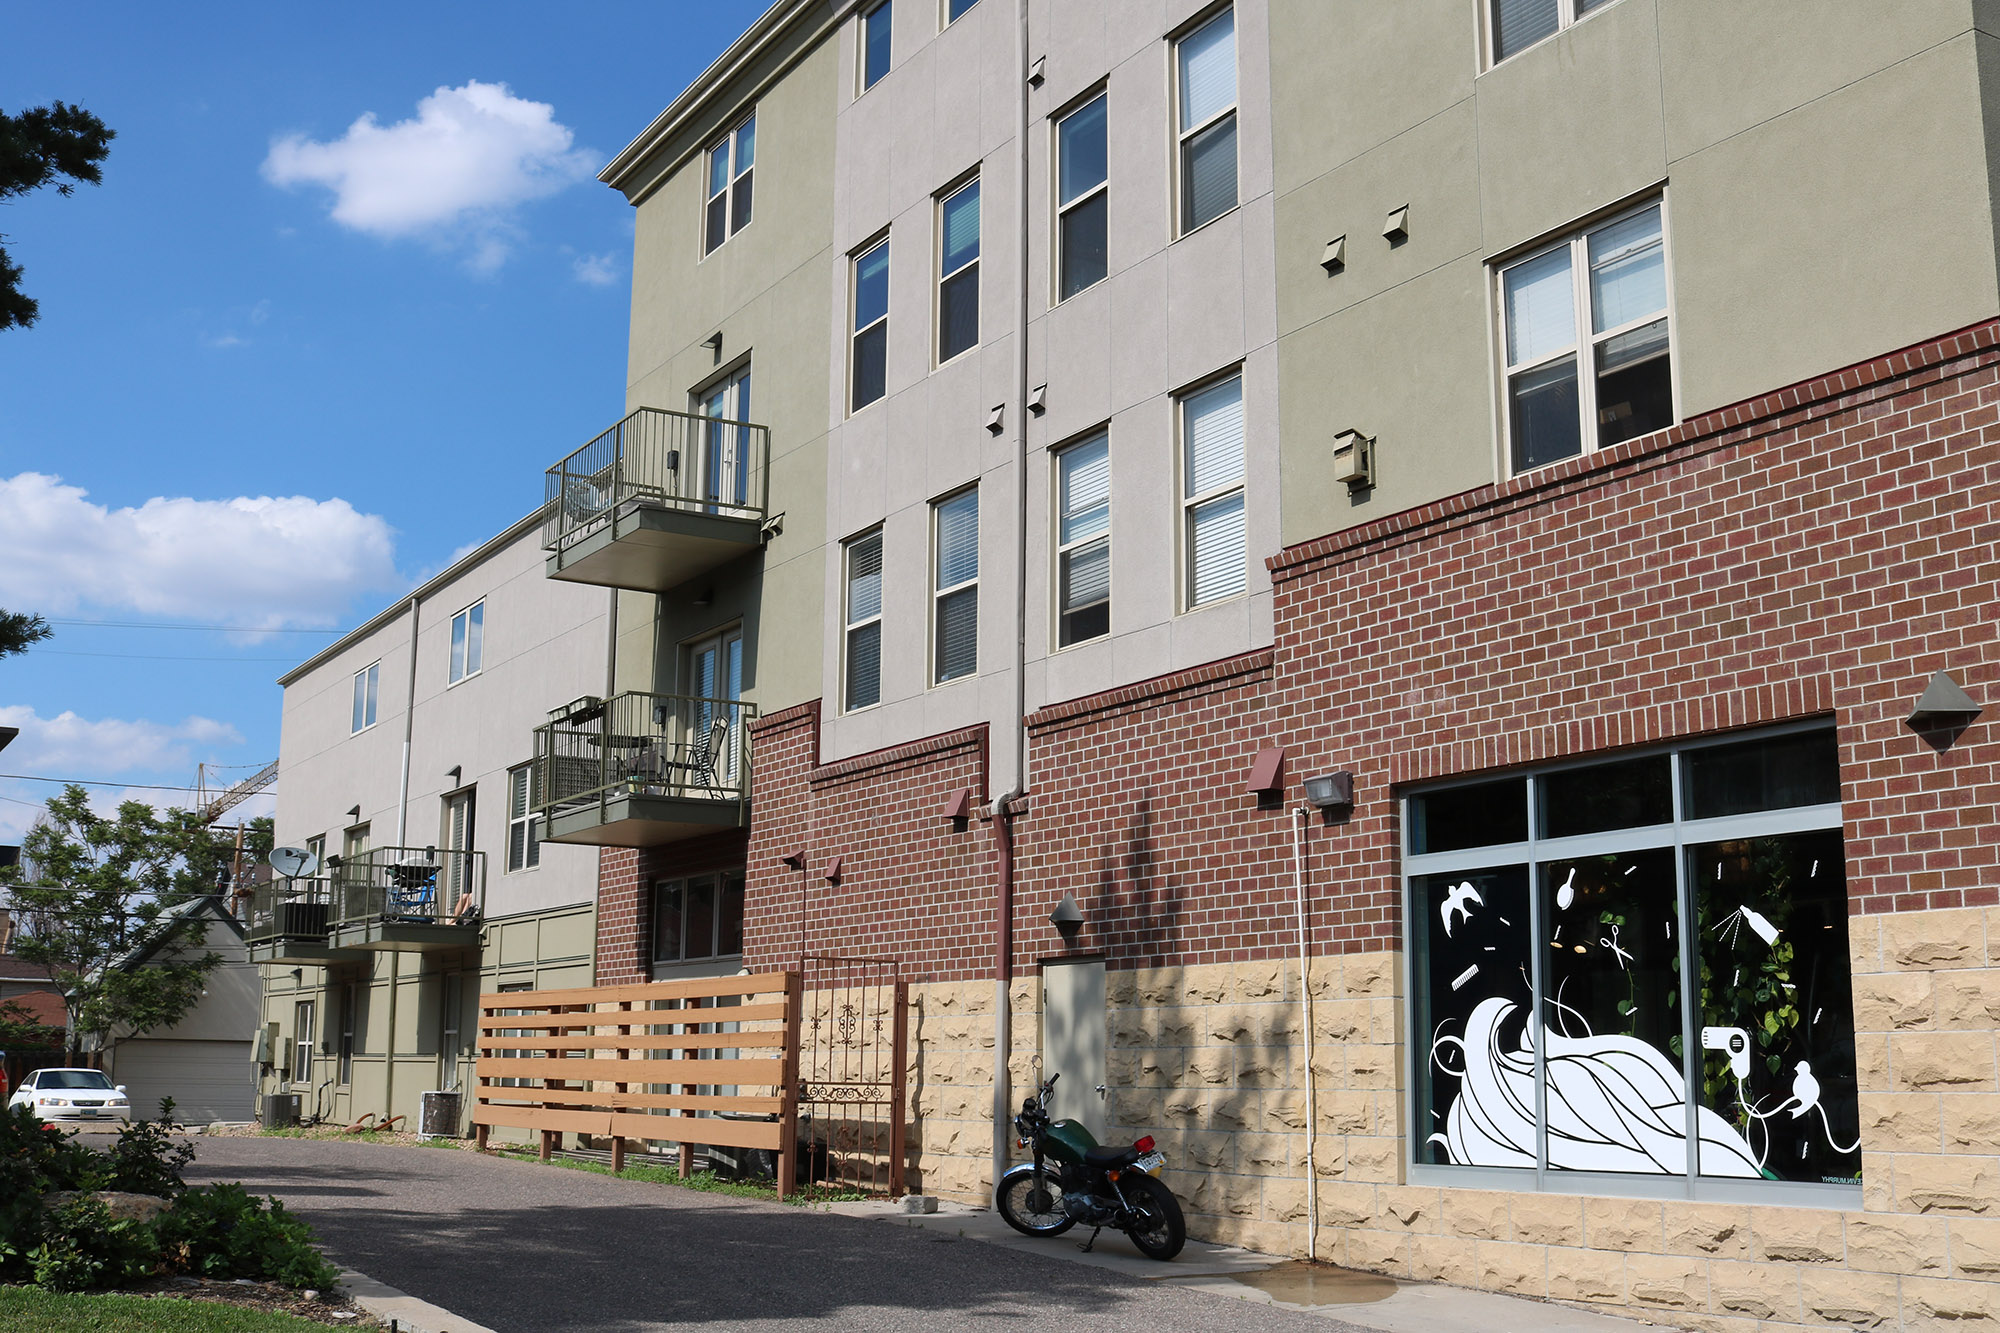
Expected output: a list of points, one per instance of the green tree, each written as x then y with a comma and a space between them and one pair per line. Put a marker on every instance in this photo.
18, 629
92, 889
56, 144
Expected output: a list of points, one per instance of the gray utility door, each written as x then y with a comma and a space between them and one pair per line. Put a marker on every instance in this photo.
1073, 1039
208, 1080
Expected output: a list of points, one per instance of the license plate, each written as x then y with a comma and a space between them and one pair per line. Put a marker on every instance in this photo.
1151, 1163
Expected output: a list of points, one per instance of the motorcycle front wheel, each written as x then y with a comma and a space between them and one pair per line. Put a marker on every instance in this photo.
1157, 1227
1032, 1208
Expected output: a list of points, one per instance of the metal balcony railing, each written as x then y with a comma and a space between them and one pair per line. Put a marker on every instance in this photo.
676, 460
295, 910
643, 745
417, 886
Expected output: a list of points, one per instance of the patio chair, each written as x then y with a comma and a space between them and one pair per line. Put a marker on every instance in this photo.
653, 766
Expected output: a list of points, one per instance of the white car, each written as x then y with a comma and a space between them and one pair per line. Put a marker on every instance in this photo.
81, 1095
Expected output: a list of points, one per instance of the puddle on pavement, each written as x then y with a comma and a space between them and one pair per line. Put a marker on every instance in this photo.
1298, 1283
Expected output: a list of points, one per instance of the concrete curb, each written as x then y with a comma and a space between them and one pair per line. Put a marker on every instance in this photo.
409, 1314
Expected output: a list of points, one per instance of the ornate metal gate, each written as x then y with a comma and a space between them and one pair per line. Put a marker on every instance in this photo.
852, 1073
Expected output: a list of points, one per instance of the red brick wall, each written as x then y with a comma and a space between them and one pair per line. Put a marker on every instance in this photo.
625, 879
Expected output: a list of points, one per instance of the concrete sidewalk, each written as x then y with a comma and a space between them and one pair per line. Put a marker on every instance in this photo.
1365, 1300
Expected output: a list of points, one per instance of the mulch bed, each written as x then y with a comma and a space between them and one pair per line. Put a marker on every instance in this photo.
323, 1307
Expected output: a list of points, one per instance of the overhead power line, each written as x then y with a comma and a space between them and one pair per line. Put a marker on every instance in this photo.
153, 624
155, 657
95, 782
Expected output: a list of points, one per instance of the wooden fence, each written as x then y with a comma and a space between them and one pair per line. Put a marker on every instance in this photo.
608, 1061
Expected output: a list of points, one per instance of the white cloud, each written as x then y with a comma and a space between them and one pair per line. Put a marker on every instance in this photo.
257, 561
70, 746
454, 173
595, 270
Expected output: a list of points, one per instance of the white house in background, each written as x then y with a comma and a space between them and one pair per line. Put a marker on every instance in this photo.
203, 1062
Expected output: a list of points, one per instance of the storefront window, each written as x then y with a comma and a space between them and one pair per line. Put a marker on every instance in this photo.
1554, 918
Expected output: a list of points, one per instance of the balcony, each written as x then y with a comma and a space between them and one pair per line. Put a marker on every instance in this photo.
291, 922
656, 500
408, 899
639, 770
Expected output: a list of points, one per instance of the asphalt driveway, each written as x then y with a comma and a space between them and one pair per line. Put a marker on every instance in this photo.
522, 1247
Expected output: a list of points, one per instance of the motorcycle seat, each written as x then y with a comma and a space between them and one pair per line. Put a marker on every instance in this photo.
1110, 1159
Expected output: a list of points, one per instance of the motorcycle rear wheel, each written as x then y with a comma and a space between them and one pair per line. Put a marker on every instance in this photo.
1157, 1227
1032, 1209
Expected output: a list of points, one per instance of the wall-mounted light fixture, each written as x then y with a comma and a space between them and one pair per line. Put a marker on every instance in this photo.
1330, 791
1068, 917
453, 774
354, 811
713, 342
1354, 459
1943, 703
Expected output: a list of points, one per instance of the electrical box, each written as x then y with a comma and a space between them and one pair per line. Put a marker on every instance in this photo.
267, 1044
1354, 459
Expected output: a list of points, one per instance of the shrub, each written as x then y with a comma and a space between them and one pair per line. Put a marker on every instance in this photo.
82, 1248
34, 1160
222, 1231
147, 1160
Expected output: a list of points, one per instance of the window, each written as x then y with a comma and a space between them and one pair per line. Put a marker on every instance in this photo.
954, 10
874, 45
955, 586
456, 878
1082, 198
698, 918
350, 1005
1576, 902
302, 1042
730, 169
1622, 299
864, 621
1083, 541
466, 632
1205, 62
958, 271
365, 681
451, 1003
871, 325
354, 843
726, 454
715, 680
316, 845
524, 825
1519, 24
513, 987
1212, 492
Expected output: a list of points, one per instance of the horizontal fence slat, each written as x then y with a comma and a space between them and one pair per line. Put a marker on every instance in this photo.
631, 1101
530, 1117
756, 1073
636, 1018
759, 983
693, 1041
693, 1129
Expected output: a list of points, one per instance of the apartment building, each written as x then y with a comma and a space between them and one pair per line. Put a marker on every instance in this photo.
405, 754
1311, 565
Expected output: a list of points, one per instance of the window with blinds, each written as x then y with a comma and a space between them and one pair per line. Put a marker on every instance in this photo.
869, 362
1588, 361
1205, 91
731, 170
955, 586
1082, 198
862, 667
524, 832
1212, 492
1083, 541
875, 45
958, 272
1516, 25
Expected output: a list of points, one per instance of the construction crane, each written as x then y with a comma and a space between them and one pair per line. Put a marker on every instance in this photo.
210, 811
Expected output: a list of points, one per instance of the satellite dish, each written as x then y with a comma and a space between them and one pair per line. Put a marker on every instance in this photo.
292, 862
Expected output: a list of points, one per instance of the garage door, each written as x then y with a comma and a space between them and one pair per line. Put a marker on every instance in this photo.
208, 1080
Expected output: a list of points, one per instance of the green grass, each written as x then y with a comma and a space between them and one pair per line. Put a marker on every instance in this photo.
706, 1181
24, 1308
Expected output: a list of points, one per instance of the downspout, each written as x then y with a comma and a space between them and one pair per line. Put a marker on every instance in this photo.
1306, 1014
1003, 808
409, 720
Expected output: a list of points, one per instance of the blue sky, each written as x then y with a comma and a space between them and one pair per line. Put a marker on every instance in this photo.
288, 364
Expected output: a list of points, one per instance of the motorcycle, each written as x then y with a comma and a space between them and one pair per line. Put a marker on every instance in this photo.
1074, 1179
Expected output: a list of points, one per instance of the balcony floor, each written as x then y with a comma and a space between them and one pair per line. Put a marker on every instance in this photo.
377, 936
649, 547
640, 820
317, 952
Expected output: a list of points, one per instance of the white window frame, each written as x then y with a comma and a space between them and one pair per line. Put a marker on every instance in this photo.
731, 146
1063, 550
880, 242
943, 200
367, 698
849, 625
1567, 16
946, 17
350, 1010
451, 1020
355, 840
521, 795
728, 766
1583, 342
302, 1043
1063, 208
939, 592
1191, 502
316, 845
466, 658
862, 82
1181, 226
